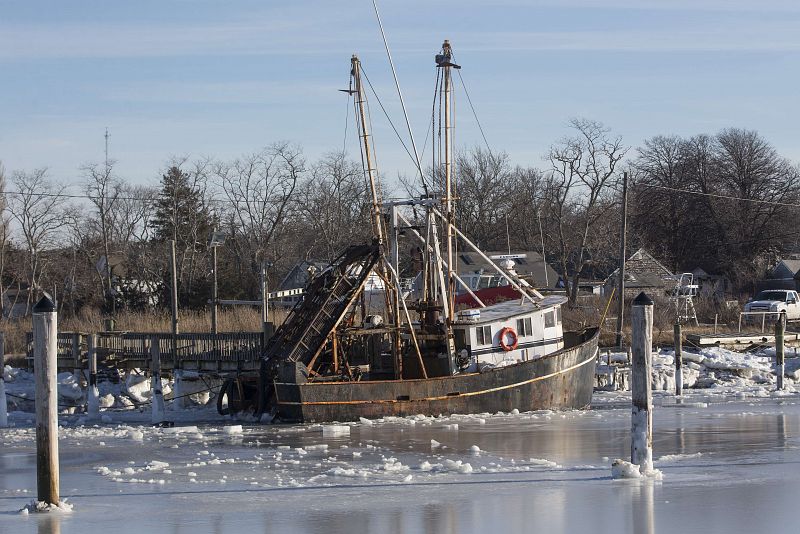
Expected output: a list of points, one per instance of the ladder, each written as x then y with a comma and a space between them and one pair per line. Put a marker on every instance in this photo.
328, 297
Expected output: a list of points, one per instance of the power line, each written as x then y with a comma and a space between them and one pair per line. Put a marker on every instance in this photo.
143, 198
716, 195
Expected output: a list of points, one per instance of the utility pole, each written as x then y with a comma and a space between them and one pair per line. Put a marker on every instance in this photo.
623, 236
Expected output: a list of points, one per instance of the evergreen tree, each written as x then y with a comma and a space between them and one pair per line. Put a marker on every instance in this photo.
181, 214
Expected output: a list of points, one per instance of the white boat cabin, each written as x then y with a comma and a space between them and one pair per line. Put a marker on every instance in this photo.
509, 332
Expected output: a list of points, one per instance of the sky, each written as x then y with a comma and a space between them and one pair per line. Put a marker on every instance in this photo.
201, 78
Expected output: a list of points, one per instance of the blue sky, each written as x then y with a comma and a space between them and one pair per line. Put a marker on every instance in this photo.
209, 78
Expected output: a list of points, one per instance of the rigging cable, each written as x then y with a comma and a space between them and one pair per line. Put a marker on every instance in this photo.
386, 114
480, 127
402, 102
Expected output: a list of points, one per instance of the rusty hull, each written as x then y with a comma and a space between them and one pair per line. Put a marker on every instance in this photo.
562, 380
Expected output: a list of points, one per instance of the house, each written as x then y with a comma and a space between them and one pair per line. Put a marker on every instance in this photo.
530, 265
642, 273
15, 302
785, 269
302, 271
714, 286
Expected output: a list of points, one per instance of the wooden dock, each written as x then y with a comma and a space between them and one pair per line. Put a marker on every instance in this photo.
741, 339
205, 353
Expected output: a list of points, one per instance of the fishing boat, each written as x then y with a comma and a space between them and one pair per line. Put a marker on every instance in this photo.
333, 359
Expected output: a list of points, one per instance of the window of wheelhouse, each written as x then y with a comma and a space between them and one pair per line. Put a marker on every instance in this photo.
524, 327
549, 319
484, 335
558, 314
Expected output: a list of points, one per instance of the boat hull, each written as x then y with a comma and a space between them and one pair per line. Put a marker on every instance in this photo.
561, 380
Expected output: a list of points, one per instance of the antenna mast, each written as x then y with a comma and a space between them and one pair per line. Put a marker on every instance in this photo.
106, 136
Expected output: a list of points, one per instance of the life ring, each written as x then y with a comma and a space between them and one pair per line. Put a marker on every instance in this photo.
508, 331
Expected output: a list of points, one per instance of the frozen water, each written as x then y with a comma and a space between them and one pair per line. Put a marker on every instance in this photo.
728, 464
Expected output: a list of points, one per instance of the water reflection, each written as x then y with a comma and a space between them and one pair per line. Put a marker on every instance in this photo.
49, 523
642, 508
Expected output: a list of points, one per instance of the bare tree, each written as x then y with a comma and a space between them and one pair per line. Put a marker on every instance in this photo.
484, 182
583, 171
259, 190
42, 214
4, 238
103, 189
334, 207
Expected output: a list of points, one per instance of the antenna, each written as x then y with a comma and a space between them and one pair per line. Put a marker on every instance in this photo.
106, 136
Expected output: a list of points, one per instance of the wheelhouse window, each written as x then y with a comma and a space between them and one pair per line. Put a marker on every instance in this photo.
484, 335
524, 327
549, 319
558, 314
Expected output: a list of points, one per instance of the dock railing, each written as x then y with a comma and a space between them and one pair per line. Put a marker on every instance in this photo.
128, 350
763, 314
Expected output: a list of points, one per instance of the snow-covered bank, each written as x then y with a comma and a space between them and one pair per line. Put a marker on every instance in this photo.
716, 370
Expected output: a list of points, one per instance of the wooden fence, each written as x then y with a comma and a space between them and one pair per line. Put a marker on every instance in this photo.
230, 351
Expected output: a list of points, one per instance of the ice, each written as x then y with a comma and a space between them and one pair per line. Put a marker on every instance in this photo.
435, 444
329, 431
475, 449
232, 429
43, 507
623, 469
68, 387
190, 429
365, 422
136, 435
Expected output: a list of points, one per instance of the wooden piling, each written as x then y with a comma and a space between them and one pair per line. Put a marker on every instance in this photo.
76, 357
641, 388
45, 350
678, 360
92, 394
3, 405
779, 351
156, 392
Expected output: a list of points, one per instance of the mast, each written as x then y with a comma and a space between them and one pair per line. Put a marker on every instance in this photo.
364, 134
443, 60
392, 286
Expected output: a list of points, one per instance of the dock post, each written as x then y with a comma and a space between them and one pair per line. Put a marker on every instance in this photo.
678, 360
178, 400
3, 405
779, 351
92, 394
45, 352
157, 394
641, 388
77, 372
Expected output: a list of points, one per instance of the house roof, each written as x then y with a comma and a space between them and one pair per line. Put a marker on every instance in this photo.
659, 272
643, 280
792, 265
532, 264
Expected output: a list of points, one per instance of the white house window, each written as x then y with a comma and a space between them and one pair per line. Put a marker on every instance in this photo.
549, 319
484, 335
524, 327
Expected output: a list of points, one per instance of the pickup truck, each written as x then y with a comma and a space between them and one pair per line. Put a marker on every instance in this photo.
776, 301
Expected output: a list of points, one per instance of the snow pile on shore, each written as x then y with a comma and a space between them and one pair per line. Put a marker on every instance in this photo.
736, 373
